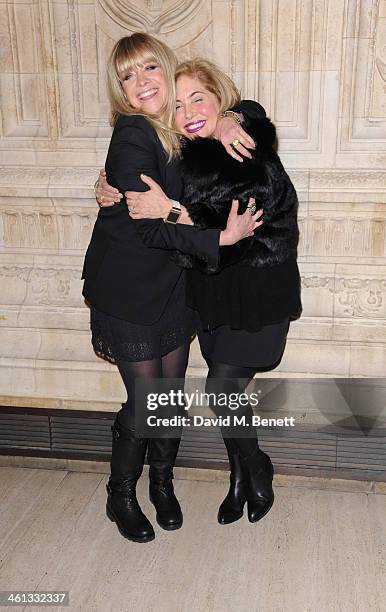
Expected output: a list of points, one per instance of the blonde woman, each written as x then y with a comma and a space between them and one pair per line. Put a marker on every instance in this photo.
139, 318
246, 300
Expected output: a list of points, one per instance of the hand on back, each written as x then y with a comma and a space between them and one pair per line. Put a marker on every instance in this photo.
105, 194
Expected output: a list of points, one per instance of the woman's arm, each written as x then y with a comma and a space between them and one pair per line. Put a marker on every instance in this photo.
133, 151
249, 109
231, 129
155, 204
227, 131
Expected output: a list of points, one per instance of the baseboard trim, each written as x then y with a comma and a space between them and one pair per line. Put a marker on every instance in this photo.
64, 436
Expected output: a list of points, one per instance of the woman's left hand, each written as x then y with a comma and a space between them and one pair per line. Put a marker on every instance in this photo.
241, 226
234, 138
151, 204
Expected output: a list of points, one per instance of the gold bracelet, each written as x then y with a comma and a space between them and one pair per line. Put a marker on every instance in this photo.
232, 114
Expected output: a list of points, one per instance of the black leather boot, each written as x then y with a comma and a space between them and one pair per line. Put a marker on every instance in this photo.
161, 455
232, 507
122, 507
258, 473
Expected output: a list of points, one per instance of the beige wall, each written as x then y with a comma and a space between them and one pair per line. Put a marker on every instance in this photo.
318, 67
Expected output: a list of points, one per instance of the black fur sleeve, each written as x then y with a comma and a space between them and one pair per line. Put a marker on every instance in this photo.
250, 110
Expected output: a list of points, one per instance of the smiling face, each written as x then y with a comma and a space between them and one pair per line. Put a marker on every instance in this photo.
145, 88
197, 109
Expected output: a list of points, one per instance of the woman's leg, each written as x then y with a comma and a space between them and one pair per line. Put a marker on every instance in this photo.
226, 378
251, 469
162, 451
174, 364
130, 371
232, 507
127, 458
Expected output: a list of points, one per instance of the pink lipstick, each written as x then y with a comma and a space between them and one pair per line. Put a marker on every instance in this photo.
194, 126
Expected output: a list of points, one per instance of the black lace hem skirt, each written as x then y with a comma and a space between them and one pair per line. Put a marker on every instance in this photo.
119, 340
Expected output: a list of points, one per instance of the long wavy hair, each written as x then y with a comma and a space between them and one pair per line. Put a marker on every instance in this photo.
136, 50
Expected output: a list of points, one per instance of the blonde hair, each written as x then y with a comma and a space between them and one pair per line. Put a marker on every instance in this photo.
213, 79
136, 50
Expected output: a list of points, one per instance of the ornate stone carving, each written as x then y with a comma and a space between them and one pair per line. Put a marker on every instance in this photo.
21, 272
47, 230
153, 16
355, 296
362, 297
53, 286
349, 178
348, 237
318, 282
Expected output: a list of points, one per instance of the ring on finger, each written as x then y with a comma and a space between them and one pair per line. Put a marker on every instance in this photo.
252, 208
235, 142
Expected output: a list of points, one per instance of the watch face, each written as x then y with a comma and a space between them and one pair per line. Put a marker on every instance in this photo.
173, 216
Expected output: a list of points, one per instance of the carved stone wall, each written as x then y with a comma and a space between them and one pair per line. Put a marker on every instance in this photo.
317, 66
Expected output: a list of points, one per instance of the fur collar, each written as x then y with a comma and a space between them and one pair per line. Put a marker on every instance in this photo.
204, 158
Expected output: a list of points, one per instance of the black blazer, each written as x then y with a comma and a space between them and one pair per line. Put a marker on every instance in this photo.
127, 271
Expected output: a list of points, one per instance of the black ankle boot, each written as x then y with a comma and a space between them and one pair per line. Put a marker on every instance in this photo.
161, 456
258, 473
232, 507
122, 507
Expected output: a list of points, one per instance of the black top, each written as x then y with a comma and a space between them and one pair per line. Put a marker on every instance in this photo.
123, 276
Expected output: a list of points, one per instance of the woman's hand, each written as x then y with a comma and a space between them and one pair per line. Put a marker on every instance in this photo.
151, 204
240, 226
234, 138
105, 194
